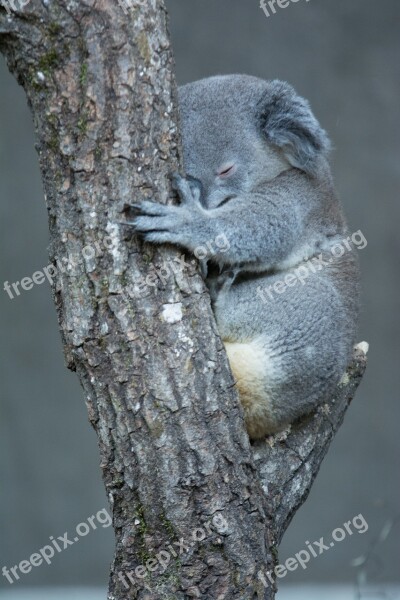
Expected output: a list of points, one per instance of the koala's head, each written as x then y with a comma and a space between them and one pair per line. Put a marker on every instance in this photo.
239, 131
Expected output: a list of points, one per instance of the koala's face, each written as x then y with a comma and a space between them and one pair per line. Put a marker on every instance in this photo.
239, 131
222, 147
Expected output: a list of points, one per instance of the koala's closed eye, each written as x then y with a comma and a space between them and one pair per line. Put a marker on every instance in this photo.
226, 170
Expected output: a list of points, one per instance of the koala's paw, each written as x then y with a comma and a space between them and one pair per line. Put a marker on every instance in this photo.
159, 223
189, 190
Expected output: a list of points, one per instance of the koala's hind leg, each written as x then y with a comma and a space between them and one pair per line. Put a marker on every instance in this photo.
255, 370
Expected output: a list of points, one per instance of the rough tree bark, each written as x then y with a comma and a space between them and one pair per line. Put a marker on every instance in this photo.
183, 481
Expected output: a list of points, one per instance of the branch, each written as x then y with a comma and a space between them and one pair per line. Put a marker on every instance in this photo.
289, 462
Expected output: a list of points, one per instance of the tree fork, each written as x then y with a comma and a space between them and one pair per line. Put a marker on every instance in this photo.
197, 510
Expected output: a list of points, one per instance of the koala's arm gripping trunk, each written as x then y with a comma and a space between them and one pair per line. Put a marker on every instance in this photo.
259, 228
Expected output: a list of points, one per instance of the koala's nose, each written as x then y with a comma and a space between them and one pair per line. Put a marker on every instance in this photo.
215, 197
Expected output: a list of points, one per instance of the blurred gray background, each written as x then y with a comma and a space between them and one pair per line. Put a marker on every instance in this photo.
344, 56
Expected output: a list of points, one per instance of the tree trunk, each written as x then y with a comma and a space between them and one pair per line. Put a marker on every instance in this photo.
198, 512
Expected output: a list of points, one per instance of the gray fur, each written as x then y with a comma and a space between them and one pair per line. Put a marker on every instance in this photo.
276, 211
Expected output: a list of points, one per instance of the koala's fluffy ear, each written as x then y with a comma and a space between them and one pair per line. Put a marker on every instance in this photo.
287, 122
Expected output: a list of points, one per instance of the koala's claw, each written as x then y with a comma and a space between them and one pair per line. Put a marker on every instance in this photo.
146, 207
161, 237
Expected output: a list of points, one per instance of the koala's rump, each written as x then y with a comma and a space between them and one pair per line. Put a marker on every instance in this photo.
288, 344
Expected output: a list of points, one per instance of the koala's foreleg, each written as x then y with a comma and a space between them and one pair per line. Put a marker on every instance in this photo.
191, 226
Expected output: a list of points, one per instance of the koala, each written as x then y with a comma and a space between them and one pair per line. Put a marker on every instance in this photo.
257, 164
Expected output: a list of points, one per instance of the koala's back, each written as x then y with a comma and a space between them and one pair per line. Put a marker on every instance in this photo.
288, 349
